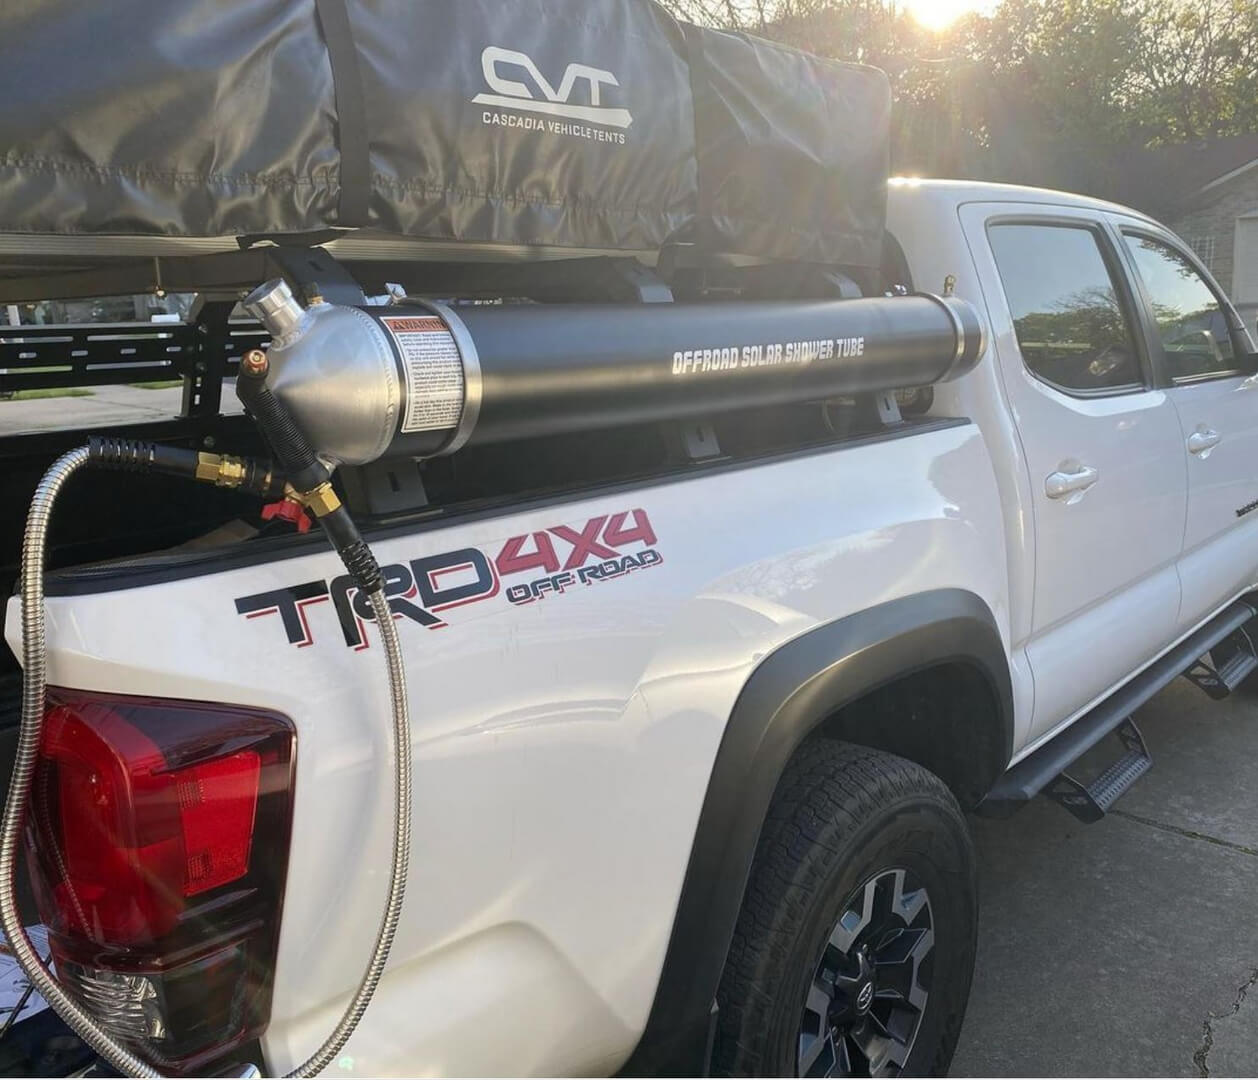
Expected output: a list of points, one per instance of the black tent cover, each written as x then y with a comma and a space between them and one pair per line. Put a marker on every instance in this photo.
593, 124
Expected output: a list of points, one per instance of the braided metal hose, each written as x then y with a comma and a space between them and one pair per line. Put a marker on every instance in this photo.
34, 692
401, 844
34, 687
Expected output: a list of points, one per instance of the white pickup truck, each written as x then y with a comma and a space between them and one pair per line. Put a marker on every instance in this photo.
692, 747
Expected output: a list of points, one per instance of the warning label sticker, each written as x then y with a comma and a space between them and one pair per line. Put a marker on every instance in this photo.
433, 370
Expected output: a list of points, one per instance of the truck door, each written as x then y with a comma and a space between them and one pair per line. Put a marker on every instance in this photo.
1201, 360
1100, 441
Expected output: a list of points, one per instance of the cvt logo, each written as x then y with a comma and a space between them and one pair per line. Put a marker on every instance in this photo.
509, 93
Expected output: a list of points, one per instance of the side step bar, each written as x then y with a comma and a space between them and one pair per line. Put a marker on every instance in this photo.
1045, 770
1230, 663
1091, 802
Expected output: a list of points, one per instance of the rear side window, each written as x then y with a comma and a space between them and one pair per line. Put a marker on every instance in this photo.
1071, 326
1189, 317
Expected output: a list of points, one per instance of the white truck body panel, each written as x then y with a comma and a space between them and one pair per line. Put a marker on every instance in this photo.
1088, 573
1217, 542
1067, 656
561, 748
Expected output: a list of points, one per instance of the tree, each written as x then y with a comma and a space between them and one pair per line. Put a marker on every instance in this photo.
1194, 72
1037, 81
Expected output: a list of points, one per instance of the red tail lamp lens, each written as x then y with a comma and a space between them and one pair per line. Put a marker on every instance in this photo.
216, 805
158, 839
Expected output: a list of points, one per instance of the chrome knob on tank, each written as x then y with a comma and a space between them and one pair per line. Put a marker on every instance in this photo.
274, 305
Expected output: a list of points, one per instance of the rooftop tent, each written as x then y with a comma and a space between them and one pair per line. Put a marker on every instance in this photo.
793, 151
566, 124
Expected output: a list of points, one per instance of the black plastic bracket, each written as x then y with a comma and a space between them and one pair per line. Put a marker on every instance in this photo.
313, 272
640, 281
385, 487
700, 441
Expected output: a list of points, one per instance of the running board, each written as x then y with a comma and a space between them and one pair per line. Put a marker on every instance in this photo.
1090, 802
1037, 771
1229, 664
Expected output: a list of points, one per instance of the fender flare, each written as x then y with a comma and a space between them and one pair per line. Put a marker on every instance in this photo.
791, 692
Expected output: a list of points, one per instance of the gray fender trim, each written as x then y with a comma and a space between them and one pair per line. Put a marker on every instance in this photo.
788, 695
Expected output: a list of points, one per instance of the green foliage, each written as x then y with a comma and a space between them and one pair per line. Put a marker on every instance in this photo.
50, 392
1034, 78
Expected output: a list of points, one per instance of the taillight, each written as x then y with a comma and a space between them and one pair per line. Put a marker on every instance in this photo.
158, 837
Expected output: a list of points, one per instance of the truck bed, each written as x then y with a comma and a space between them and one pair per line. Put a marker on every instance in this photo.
543, 700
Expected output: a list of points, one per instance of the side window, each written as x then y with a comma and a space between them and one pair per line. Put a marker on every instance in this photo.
1071, 327
1194, 333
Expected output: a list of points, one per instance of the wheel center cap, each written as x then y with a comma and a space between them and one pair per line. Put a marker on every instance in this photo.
865, 997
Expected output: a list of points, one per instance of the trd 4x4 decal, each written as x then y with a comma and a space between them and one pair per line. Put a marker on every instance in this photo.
558, 559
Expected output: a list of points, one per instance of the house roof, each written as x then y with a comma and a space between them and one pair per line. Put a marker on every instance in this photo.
1166, 177
1156, 180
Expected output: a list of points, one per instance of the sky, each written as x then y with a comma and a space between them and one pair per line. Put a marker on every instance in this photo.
939, 14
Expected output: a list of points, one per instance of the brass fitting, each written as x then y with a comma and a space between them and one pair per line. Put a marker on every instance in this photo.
254, 362
225, 471
321, 501
220, 470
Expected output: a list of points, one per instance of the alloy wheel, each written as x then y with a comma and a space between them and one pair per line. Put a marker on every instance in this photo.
871, 983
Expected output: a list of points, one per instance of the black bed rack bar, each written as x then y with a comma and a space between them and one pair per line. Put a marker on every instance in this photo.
103, 354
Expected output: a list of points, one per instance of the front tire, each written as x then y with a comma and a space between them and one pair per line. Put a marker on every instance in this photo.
854, 950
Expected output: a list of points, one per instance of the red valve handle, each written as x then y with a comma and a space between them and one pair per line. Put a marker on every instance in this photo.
287, 510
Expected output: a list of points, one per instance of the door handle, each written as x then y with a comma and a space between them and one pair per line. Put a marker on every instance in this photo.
1203, 440
1070, 485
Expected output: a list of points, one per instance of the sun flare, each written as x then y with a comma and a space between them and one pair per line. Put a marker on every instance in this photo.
938, 15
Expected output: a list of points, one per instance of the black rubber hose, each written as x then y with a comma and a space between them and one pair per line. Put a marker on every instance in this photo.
130, 455
292, 449
260, 478
306, 472
352, 549
263, 479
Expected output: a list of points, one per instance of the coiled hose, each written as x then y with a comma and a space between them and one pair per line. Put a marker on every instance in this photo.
34, 690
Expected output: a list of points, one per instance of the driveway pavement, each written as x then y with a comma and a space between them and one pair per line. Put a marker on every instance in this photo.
1129, 947
106, 406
